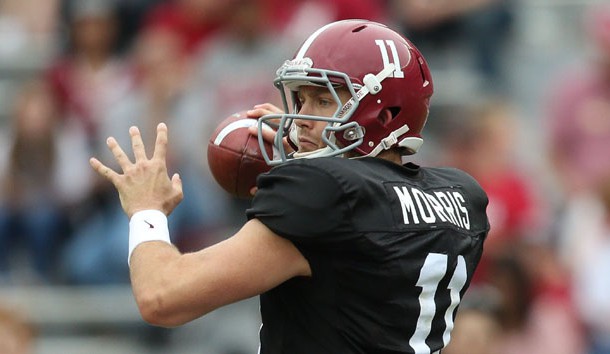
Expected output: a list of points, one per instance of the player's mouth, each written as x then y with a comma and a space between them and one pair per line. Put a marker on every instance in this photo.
306, 145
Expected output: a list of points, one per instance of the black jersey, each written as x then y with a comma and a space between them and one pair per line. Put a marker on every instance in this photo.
392, 250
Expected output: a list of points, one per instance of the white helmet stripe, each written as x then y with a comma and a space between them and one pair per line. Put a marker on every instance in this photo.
311, 38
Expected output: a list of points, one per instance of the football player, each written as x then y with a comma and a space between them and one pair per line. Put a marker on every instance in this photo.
351, 249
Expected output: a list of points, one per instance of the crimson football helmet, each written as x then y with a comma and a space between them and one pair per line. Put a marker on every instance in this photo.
380, 69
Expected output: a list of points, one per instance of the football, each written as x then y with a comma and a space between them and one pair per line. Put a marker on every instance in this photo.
234, 155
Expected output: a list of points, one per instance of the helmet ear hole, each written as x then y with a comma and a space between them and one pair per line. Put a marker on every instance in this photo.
394, 111
387, 115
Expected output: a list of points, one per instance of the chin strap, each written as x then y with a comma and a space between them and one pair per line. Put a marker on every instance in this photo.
391, 140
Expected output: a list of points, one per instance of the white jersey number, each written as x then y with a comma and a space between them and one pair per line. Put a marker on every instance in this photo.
433, 270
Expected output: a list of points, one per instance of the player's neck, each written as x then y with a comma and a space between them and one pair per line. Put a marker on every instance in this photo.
392, 155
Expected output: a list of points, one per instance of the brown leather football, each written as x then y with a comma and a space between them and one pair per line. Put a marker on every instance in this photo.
234, 155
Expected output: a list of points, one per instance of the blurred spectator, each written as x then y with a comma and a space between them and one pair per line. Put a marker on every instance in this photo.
17, 336
579, 112
193, 21
297, 19
585, 248
478, 27
477, 327
537, 312
131, 16
89, 76
32, 204
481, 139
28, 29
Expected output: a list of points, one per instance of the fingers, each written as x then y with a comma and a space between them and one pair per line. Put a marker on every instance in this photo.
137, 144
177, 183
268, 135
103, 170
256, 113
177, 187
143, 184
260, 110
118, 153
161, 142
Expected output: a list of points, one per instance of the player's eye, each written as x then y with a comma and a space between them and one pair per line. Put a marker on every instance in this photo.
324, 102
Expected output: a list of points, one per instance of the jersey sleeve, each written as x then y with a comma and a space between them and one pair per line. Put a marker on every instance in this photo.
301, 202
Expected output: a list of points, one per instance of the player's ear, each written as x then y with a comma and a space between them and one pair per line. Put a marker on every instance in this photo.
385, 116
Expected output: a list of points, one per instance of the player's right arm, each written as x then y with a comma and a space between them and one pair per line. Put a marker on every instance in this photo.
172, 288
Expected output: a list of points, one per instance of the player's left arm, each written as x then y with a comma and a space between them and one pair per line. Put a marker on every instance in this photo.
171, 288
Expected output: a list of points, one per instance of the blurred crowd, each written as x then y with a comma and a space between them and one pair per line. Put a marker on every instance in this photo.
104, 65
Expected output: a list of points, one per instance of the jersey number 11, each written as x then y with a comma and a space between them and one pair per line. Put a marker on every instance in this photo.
433, 270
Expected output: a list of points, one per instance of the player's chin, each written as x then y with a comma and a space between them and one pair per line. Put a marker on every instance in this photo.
305, 146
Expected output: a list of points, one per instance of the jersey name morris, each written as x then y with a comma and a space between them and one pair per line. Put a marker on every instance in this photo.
448, 206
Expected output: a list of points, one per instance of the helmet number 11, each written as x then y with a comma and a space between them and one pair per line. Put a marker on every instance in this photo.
383, 48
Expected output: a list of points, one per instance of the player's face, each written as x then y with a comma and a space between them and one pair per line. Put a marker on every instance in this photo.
317, 101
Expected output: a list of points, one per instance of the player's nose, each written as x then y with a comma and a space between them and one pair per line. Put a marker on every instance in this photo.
304, 123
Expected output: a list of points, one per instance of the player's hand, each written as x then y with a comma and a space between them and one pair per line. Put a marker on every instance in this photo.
263, 109
144, 184
258, 111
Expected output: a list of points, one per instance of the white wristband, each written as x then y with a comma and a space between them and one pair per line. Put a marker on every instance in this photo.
145, 226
